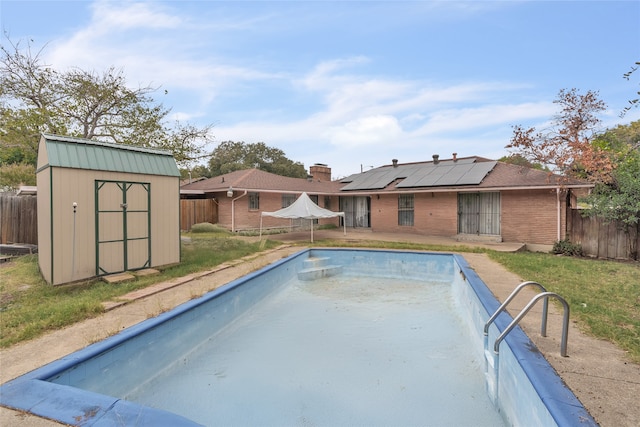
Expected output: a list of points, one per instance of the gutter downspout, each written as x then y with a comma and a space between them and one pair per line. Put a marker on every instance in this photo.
559, 212
233, 211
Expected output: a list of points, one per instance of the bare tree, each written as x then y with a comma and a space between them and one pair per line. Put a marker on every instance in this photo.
567, 146
632, 102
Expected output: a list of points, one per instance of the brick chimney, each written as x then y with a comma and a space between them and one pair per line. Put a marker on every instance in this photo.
320, 172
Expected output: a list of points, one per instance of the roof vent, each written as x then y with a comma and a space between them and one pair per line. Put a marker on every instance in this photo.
435, 159
395, 163
455, 157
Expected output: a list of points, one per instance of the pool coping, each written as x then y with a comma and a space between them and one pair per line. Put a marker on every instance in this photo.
32, 381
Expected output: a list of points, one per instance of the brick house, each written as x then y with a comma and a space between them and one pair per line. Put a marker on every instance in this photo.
241, 196
471, 198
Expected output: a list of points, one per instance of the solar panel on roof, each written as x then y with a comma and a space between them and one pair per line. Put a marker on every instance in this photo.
452, 177
427, 176
459, 173
476, 174
374, 179
445, 173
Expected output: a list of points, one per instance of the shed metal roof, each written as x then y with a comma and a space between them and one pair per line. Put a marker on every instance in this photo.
80, 153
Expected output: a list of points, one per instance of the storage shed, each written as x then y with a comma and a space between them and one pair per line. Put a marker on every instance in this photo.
104, 208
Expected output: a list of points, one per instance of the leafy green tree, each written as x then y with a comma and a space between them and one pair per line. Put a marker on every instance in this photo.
619, 199
14, 175
201, 171
19, 135
36, 98
195, 173
620, 139
518, 160
230, 156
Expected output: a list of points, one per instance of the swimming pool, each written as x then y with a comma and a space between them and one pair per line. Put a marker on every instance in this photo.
381, 373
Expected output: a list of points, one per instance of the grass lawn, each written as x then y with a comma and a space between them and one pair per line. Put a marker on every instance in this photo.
604, 295
30, 307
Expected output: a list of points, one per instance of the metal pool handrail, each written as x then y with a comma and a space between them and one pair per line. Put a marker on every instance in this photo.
565, 321
494, 316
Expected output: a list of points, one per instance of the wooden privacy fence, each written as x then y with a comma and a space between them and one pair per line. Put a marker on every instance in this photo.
18, 219
196, 211
598, 238
19, 224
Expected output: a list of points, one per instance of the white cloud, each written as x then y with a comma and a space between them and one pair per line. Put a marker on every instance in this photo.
323, 75
127, 15
154, 46
369, 131
119, 34
359, 114
370, 120
492, 115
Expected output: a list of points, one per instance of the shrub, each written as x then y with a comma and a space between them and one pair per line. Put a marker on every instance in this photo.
327, 227
206, 227
565, 247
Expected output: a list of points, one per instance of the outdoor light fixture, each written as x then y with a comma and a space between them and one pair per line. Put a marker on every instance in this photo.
75, 205
230, 192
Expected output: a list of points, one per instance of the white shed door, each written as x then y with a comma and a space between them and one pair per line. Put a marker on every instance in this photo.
123, 226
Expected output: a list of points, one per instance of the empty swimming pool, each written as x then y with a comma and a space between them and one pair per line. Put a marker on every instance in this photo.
324, 337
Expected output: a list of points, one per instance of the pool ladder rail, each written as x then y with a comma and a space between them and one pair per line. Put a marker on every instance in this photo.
544, 295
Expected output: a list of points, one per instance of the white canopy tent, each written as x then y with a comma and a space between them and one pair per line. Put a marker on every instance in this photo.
304, 208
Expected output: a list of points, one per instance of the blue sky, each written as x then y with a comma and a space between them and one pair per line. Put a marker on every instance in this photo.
352, 84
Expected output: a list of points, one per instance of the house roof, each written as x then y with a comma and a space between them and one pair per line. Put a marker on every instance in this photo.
258, 180
80, 153
464, 174
506, 175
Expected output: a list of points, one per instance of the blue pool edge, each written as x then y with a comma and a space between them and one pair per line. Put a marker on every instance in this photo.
563, 405
32, 392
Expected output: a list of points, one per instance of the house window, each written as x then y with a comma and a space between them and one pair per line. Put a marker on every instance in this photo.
479, 213
357, 211
327, 202
314, 199
254, 201
405, 209
288, 199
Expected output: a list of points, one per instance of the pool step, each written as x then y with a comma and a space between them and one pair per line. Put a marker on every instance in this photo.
317, 267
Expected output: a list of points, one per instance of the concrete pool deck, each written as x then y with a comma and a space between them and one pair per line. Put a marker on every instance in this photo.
597, 372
